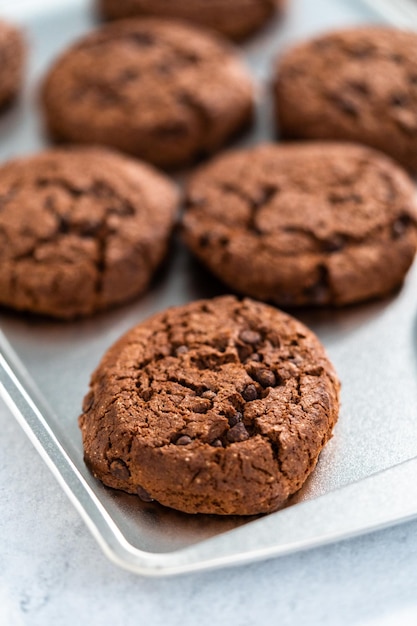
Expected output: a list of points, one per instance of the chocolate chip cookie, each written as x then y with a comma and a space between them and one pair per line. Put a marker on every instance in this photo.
356, 85
163, 91
219, 406
233, 18
80, 230
12, 56
304, 224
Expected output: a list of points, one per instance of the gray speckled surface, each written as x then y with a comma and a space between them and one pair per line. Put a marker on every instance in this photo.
53, 572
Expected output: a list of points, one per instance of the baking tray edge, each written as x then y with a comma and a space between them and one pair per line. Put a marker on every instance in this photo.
378, 501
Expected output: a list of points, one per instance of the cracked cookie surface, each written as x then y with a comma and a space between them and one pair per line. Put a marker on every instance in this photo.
163, 91
80, 230
233, 18
356, 85
12, 56
219, 406
303, 224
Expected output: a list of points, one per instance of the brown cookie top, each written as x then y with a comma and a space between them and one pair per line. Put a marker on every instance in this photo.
80, 230
219, 406
233, 18
303, 224
12, 56
358, 84
161, 90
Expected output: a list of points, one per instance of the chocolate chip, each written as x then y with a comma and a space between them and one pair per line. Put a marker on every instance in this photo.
334, 244
217, 443
399, 99
220, 343
119, 469
63, 225
266, 378
237, 433
250, 336
88, 402
184, 440
274, 339
400, 226
143, 494
204, 241
146, 394
235, 419
181, 350
255, 357
190, 57
209, 395
337, 198
244, 352
249, 393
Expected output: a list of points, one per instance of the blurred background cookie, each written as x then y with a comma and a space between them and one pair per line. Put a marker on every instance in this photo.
303, 224
358, 85
163, 91
233, 18
80, 230
12, 57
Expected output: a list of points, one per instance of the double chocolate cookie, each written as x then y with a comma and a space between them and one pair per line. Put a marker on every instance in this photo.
163, 91
304, 224
80, 230
219, 406
233, 18
357, 85
12, 56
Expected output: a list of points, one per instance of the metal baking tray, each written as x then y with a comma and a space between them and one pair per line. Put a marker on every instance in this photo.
45, 366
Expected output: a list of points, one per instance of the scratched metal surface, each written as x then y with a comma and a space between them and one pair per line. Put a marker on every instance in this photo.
373, 346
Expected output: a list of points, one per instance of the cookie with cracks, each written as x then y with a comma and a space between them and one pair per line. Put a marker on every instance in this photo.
219, 406
81, 230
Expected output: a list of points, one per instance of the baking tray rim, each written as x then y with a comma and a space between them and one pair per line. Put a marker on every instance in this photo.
25, 402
